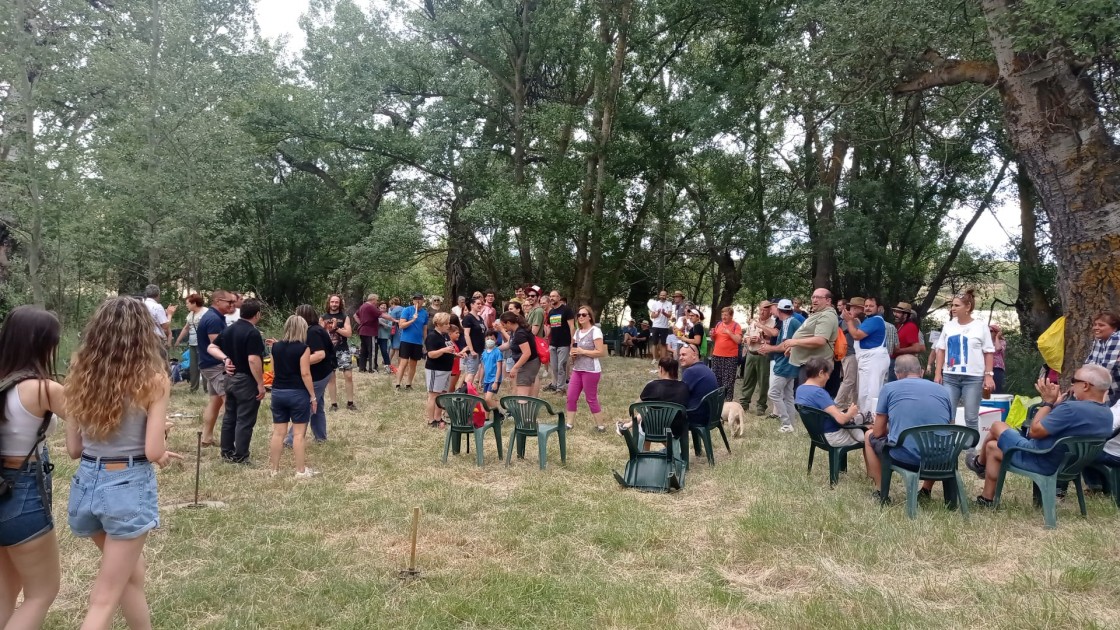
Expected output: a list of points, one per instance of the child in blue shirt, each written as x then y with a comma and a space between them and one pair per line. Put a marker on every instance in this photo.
491, 369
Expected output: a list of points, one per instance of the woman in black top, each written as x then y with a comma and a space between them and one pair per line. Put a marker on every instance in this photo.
322, 369
293, 394
526, 361
695, 334
665, 388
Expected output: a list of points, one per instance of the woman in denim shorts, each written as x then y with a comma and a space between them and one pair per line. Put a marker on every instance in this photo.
293, 395
28, 544
116, 393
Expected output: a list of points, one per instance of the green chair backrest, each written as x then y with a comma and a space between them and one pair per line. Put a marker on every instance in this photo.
1079, 453
460, 408
524, 411
814, 419
939, 446
713, 402
657, 417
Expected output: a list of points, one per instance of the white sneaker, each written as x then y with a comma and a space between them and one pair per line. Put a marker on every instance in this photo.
307, 473
786, 428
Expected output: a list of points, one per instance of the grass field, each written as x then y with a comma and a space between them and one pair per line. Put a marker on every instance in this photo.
751, 543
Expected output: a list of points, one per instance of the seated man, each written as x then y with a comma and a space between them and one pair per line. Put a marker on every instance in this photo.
812, 394
910, 401
1084, 416
641, 340
701, 381
629, 331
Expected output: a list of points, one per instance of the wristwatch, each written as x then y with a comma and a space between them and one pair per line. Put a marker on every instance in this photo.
989, 373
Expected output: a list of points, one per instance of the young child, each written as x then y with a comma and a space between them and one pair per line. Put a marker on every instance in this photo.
492, 368
453, 336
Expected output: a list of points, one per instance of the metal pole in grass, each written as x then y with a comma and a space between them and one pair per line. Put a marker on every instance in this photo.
197, 470
412, 572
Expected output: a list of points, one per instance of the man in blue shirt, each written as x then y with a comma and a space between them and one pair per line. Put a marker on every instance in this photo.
908, 402
872, 356
414, 325
783, 377
213, 371
1084, 416
701, 381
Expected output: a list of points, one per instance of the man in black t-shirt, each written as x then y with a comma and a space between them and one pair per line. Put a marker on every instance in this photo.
561, 327
337, 324
240, 347
474, 333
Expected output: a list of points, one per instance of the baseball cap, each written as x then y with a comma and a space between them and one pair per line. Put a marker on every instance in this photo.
785, 305
418, 296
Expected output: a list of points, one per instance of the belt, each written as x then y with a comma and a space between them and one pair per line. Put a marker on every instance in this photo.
115, 463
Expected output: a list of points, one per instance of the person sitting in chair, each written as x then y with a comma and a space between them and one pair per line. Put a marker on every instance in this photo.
700, 380
907, 402
812, 394
641, 340
629, 332
664, 388
1081, 412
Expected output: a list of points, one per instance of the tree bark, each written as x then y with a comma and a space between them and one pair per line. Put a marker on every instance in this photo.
1036, 313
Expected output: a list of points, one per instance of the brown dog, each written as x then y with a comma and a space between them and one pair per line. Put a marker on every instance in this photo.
733, 415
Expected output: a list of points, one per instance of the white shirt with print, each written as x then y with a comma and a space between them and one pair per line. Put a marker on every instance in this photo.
965, 346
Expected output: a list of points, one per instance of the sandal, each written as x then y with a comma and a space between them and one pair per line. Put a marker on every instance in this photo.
207, 444
568, 426
600, 428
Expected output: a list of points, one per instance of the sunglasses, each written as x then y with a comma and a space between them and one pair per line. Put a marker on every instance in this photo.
584, 315
532, 295
1075, 381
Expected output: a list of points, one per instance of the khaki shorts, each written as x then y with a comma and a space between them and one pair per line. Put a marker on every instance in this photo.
527, 375
215, 379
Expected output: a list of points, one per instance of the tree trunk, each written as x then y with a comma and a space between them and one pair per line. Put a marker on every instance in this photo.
1055, 126
1036, 313
457, 268
823, 257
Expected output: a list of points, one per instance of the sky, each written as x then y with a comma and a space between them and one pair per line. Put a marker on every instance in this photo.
279, 18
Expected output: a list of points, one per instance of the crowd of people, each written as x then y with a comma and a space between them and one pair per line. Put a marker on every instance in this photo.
844, 359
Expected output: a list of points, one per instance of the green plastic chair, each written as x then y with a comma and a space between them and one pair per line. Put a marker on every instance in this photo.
460, 409
702, 436
654, 471
1079, 452
525, 411
1113, 477
939, 448
814, 419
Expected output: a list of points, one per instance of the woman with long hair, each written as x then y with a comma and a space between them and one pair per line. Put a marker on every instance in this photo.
964, 356
587, 347
726, 337
116, 404
293, 395
322, 359
526, 361
28, 543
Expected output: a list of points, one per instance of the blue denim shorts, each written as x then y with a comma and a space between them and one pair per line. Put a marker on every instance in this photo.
290, 405
121, 503
23, 514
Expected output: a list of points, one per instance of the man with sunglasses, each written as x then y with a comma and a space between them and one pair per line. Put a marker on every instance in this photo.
534, 312
213, 371
1080, 413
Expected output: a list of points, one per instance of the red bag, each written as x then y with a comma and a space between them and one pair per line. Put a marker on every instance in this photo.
478, 416
542, 350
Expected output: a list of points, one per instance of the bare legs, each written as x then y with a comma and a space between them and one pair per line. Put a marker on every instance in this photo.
210, 417
33, 568
120, 581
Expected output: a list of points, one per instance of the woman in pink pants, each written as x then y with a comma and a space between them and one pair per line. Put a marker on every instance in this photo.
587, 347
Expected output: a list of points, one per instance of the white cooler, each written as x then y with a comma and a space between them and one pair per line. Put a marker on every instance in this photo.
988, 417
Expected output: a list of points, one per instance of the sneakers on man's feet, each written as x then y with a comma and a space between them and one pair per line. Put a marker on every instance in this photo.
334, 406
408, 388
984, 503
972, 462
785, 428
350, 406
306, 473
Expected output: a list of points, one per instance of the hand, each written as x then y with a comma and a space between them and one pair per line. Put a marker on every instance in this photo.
163, 461
170, 310
314, 404
260, 391
937, 377
1049, 391
847, 315
229, 365
513, 373
989, 383
853, 411
269, 342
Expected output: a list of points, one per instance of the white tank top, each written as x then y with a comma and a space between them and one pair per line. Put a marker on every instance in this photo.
18, 431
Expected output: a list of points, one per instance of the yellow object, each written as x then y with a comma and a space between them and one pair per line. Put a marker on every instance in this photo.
268, 365
1018, 414
1052, 344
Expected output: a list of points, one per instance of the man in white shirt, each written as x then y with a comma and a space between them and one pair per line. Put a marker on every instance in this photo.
159, 315
661, 310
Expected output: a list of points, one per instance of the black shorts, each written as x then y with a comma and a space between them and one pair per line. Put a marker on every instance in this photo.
659, 336
411, 351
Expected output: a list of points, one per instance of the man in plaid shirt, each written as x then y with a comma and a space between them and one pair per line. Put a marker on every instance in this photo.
1105, 351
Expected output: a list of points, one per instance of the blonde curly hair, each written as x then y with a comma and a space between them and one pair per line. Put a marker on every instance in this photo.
118, 365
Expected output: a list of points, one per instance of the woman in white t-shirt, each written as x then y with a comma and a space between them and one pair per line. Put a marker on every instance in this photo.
587, 347
197, 308
964, 354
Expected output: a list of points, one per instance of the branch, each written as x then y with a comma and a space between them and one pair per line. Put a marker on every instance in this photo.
947, 72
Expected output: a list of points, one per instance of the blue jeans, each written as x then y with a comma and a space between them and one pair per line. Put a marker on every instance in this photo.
318, 420
122, 502
966, 388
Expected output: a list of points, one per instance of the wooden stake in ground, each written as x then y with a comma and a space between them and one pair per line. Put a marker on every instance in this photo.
412, 572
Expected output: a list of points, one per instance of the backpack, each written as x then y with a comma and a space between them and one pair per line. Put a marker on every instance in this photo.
542, 350
6, 384
840, 348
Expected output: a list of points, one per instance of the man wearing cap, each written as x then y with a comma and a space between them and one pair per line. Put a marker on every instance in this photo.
909, 337
641, 340
816, 336
784, 376
414, 326
850, 368
756, 364
662, 309
872, 355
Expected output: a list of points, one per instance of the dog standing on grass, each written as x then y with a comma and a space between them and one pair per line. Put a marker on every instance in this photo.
733, 415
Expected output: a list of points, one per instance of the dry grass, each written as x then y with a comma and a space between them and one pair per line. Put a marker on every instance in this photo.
752, 543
